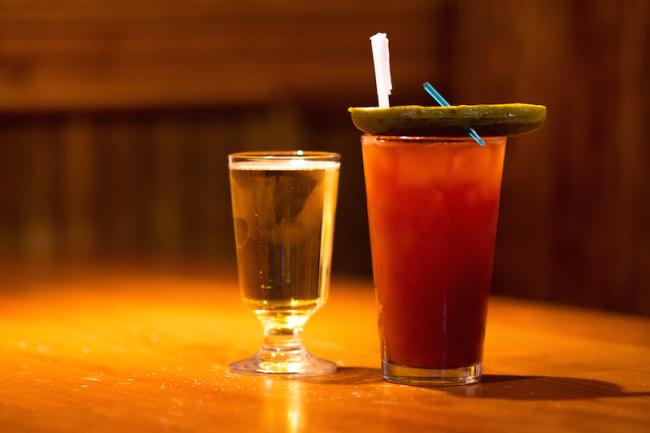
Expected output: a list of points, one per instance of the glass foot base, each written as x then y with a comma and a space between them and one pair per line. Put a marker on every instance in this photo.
431, 376
298, 362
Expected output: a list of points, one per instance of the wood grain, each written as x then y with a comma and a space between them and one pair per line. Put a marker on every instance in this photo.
581, 221
109, 350
151, 54
116, 117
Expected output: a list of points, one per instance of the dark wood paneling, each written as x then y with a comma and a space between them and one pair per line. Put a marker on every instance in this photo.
148, 53
116, 118
575, 211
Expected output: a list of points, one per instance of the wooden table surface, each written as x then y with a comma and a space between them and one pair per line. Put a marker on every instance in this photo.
148, 352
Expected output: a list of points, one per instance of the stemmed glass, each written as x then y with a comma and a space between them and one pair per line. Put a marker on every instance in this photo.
283, 209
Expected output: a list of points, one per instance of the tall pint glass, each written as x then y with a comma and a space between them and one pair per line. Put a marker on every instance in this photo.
432, 206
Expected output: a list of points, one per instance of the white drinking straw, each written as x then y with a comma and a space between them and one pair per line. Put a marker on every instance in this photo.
381, 59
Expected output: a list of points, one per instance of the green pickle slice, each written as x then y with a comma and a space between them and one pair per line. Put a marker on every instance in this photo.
495, 120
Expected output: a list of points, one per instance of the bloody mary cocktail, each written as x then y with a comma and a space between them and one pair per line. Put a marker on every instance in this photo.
432, 206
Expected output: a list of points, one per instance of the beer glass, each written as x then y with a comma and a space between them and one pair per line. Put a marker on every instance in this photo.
283, 206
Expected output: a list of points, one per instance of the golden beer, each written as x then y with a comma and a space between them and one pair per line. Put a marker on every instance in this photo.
283, 210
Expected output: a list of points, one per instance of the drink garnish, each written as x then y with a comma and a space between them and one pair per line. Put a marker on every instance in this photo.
442, 101
491, 120
444, 121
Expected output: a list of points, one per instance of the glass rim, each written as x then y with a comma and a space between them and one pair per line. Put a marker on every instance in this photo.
414, 138
284, 155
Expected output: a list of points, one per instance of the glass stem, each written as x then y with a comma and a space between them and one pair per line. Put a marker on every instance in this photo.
282, 339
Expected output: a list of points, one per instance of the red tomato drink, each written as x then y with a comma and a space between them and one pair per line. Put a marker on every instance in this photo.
432, 207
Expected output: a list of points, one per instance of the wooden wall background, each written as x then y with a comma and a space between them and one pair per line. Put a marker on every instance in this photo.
116, 117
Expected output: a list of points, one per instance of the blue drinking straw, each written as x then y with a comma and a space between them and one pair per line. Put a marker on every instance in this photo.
442, 101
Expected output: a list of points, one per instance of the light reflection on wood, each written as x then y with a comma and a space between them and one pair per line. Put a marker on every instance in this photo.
113, 351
